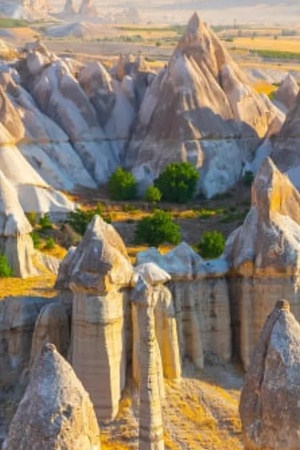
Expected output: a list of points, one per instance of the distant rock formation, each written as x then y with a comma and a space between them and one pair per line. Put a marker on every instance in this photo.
69, 8
88, 8
25, 9
199, 109
285, 153
287, 92
201, 301
56, 411
269, 404
264, 257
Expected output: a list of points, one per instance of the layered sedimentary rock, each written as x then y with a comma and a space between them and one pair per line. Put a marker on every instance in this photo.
199, 109
287, 92
269, 404
99, 273
264, 257
201, 301
56, 411
150, 383
17, 320
15, 240
285, 151
52, 325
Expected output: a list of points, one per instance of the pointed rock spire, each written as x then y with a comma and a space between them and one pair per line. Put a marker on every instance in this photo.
56, 411
269, 405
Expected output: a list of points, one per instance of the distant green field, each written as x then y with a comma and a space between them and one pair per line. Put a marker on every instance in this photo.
179, 29
275, 54
12, 23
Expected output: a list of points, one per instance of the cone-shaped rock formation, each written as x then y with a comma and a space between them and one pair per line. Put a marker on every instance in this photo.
56, 411
287, 92
264, 256
269, 405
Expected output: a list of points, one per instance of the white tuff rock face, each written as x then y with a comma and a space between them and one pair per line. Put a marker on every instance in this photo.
56, 411
264, 256
269, 404
287, 92
199, 109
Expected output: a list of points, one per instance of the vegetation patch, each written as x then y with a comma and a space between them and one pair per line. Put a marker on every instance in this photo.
157, 229
178, 182
5, 269
211, 244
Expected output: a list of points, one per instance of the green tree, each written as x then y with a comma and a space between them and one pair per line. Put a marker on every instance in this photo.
122, 185
79, 219
5, 269
212, 244
153, 194
178, 182
157, 229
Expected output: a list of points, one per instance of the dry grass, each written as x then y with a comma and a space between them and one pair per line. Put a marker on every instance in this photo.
262, 87
57, 252
42, 285
268, 43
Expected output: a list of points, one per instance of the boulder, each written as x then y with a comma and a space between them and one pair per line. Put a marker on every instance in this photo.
269, 404
61, 412
264, 256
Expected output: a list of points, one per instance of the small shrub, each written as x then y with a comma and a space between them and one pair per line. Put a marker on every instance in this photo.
35, 239
45, 223
178, 182
153, 194
122, 185
130, 208
5, 269
32, 219
212, 244
157, 229
248, 178
79, 219
49, 244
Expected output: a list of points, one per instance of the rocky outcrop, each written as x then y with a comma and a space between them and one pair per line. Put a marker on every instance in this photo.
17, 321
201, 301
264, 257
199, 109
15, 240
287, 92
151, 374
269, 404
69, 8
56, 411
99, 274
285, 151
88, 8
52, 325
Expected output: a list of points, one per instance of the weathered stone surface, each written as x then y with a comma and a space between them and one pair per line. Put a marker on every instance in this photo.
52, 326
201, 302
150, 383
287, 92
88, 8
99, 273
269, 405
55, 412
17, 320
199, 109
264, 257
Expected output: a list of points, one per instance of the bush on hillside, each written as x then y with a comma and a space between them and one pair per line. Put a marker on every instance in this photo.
36, 239
50, 243
211, 245
45, 223
5, 269
157, 229
248, 178
79, 219
153, 194
122, 185
178, 182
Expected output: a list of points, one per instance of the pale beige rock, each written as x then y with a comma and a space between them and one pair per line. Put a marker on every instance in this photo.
17, 321
99, 273
264, 256
150, 412
269, 405
55, 412
287, 92
52, 326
